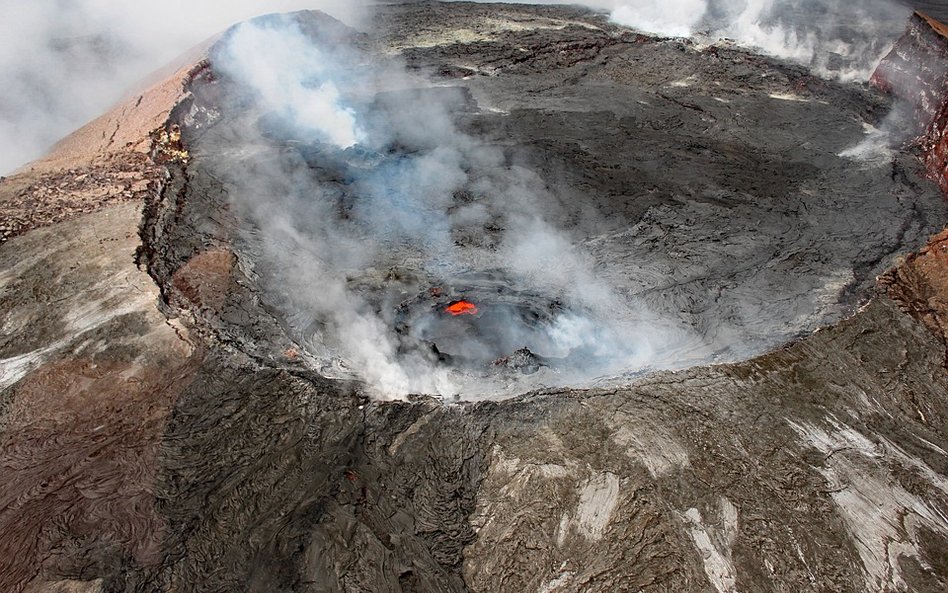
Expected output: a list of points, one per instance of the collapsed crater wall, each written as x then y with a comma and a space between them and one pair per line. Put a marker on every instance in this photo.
916, 71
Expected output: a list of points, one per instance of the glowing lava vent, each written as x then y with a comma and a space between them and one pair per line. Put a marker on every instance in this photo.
461, 308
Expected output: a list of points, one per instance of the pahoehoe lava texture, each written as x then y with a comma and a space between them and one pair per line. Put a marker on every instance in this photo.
202, 447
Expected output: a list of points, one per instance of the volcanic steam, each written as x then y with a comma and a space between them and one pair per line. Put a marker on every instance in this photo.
411, 234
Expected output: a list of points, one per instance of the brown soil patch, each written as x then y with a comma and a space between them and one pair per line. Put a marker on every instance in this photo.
203, 281
920, 285
79, 460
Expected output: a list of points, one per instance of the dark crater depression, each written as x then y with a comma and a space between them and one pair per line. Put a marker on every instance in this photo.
458, 216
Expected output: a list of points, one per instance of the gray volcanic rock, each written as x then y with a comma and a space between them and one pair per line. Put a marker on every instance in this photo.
182, 430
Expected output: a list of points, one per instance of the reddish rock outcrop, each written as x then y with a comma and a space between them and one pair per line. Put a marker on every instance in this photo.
920, 285
916, 70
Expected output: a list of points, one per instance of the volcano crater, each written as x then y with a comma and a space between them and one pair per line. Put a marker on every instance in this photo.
671, 223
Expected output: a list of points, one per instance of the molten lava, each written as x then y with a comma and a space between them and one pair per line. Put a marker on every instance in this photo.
461, 308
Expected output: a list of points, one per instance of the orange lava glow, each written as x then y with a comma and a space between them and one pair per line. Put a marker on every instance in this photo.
461, 308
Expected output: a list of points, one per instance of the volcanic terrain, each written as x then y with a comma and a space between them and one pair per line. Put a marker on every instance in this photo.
483, 298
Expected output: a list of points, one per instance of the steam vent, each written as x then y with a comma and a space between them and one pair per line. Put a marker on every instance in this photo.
483, 298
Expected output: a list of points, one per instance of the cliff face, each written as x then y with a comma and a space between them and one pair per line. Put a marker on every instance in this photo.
916, 71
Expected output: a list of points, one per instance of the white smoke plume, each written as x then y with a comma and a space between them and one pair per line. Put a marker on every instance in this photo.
64, 62
837, 39
287, 90
675, 18
338, 277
